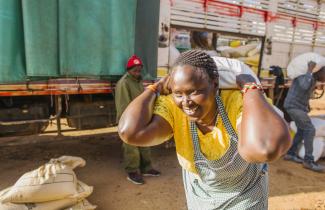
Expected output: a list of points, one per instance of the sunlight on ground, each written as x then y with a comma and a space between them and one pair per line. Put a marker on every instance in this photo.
298, 201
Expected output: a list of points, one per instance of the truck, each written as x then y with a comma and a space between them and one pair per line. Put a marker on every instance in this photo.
286, 28
280, 30
61, 59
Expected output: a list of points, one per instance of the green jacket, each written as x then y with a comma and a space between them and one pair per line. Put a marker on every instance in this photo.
127, 89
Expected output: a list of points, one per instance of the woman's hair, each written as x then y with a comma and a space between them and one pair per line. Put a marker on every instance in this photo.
199, 59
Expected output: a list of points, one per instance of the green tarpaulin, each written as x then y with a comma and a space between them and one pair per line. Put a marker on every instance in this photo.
12, 53
41, 37
146, 36
60, 38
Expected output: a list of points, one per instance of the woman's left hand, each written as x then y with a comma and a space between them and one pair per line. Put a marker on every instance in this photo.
243, 79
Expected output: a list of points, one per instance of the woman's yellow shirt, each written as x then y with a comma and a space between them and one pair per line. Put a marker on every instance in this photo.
213, 144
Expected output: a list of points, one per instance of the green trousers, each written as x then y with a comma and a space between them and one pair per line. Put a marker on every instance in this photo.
136, 158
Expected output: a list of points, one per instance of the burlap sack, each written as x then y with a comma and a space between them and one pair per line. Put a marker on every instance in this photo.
54, 180
82, 205
255, 51
83, 192
237, 52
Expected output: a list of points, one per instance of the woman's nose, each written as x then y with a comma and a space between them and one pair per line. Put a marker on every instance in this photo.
186, 100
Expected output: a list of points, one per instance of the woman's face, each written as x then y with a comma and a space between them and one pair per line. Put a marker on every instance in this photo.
193, 92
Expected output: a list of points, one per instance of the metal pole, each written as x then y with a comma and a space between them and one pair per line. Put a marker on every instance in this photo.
58, 109
261, 58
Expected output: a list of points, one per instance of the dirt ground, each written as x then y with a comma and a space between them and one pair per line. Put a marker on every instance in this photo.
291, 187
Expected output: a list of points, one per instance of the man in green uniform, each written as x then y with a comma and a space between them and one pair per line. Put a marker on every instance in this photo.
136, 160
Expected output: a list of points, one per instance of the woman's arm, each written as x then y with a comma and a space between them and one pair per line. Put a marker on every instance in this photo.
263, 134
138, 126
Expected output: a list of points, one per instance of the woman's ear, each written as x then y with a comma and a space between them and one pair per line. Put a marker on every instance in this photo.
215, 82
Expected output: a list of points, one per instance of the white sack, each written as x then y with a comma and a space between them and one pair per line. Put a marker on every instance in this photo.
52, 181
228, 70
82, 205
318, 145
83, 192
255, 51
318, 123
299, 65
237, 52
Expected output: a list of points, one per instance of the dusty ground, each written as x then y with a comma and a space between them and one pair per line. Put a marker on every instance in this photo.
291, 186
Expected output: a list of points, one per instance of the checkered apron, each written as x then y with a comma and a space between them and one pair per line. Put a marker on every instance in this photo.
227, 183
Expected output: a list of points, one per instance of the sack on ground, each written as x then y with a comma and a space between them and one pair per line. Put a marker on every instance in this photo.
52, 181
319, 140
318, 148
228, 70
318, 123
82, 205
299, 65
83, 192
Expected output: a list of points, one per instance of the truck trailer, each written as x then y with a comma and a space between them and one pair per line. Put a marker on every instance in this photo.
61, 59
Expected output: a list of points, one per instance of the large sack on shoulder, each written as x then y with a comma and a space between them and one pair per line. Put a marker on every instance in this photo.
82, 205
228, 70
52, 181
299, 65
83, 192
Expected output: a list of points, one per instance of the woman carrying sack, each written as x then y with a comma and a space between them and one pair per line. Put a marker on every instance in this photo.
223, 138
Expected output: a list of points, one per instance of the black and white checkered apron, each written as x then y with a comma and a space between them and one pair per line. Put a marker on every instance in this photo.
227, 183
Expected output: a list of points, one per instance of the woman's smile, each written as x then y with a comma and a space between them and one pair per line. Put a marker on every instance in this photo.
190, 111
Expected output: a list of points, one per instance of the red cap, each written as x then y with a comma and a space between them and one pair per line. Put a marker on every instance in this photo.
133, 61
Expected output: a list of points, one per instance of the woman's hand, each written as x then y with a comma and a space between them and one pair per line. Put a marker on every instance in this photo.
311, 66
138, 125
263, 134
243, 79
163, 85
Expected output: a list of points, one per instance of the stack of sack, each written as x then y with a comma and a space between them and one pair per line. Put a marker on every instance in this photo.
238, 52
249, 54
53, 186
319, 140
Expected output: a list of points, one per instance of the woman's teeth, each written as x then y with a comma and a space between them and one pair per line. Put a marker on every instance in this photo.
190, 111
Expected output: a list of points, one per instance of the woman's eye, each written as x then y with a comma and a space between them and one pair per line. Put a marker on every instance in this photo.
196, 92
177, 95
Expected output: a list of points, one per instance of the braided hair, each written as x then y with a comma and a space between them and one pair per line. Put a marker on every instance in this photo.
199, 59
